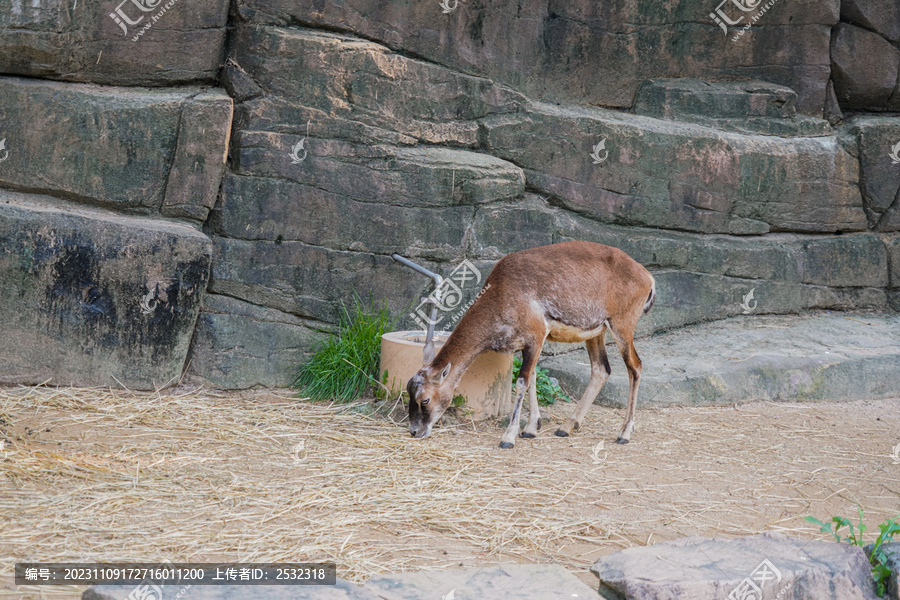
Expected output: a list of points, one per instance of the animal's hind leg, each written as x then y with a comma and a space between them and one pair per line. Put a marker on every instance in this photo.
625, 342
600, 371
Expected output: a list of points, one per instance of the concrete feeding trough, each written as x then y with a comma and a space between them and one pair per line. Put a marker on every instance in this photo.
486, 385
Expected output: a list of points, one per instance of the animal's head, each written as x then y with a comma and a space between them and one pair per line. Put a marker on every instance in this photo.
428, 399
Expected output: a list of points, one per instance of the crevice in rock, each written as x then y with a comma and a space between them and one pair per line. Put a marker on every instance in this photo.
294, 22
890, 210
85, 201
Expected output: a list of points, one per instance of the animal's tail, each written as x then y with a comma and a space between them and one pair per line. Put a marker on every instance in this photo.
651, 298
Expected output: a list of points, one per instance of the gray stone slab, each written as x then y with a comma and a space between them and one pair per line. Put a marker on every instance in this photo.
198, 165
146, 147
309, 281
49, 125
95, 298
523, 581
673, 98
853, 260
144, 42
879, 177
864, 69
264, 208
344, 84
676, 175
754, 107
342, 590
768, 566
815, 357
238, 345
421, 176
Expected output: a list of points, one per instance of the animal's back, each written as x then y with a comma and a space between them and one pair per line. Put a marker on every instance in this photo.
577, 283
574, 266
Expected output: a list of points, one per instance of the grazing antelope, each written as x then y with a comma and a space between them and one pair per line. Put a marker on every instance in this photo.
566, 292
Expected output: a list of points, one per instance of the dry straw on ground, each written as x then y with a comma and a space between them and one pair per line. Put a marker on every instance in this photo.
90, 475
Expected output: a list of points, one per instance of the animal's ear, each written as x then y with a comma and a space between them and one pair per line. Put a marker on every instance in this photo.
440, 377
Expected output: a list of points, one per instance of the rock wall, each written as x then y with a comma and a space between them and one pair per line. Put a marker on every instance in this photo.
185, 188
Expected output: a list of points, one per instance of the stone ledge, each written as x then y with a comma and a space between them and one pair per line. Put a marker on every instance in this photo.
135, 150
826, 357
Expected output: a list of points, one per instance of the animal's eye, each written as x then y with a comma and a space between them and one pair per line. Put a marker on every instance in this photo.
426, 401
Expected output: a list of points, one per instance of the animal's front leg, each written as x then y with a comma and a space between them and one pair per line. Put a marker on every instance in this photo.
509, 436
534, 411
530, 354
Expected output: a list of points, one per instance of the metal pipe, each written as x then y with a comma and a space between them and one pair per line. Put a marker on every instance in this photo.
428, 352
405, 261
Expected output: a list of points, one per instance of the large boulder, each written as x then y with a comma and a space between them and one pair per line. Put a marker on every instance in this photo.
767, 565
95, 298
586, 52
864, 68
880, 16
142, 150
877, 143
141, 42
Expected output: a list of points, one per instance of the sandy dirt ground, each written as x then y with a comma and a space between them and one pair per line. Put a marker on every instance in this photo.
196, 476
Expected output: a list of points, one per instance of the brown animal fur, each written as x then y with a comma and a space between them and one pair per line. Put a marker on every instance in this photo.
566, 292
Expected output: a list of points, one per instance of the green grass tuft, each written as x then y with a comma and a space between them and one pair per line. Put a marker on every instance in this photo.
548, 391
878, 557
346, 363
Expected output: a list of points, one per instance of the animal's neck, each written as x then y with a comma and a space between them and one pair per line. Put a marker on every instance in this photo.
461, 348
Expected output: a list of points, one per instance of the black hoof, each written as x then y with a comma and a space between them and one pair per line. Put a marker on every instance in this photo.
561, 433
621, 441
505, 445
526, 435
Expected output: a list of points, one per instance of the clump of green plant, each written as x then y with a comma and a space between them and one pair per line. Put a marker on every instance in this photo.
346, 363
878, 557
548, 390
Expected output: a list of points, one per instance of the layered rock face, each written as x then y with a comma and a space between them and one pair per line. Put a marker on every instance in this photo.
124, 42
583, 52
691, 136
103, 268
